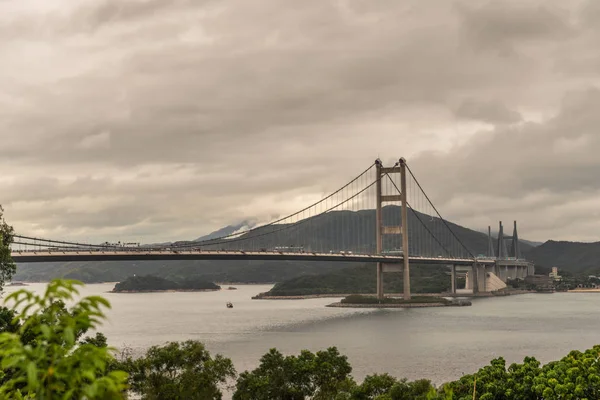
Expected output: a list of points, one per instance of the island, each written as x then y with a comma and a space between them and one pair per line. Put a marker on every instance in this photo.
149, 283
425, 279
360, 301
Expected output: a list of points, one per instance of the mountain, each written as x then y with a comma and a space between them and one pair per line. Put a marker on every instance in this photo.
242, 271
575, 257
531, 242
228, 230
348, 230
340, 230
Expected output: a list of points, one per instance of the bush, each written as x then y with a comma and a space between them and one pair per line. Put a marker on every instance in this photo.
179, 371
43, 359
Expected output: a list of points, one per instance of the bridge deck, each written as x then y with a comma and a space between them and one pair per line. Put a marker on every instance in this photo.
141, 255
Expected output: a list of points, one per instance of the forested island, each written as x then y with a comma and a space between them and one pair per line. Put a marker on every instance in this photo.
362, 280
151, 283
362, 301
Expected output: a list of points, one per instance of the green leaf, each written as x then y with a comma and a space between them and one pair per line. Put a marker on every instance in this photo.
32, 380
69, 336
45, 331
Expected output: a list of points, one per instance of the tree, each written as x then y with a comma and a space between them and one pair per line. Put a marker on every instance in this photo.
179, 371
386, 387
7, 320
324, 375
43, 359
7, 265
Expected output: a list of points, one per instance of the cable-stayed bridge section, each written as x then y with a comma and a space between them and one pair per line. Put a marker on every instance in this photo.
381, 216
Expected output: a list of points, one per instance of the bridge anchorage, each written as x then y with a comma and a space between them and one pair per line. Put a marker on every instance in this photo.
381, 216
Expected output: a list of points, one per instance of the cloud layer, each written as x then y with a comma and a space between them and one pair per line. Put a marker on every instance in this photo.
161, 120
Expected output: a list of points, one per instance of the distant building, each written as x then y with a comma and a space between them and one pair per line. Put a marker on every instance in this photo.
540, 281
554, 274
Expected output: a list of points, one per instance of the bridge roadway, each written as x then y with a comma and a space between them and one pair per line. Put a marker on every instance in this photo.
142, 255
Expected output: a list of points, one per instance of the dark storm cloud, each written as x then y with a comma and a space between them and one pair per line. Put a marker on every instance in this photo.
168, 119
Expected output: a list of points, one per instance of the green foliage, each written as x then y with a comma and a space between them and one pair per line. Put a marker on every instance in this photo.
576, 376
152, 283
7, 266
99, 340
8, 322
42, 358
321, 376
178, 371
386, 387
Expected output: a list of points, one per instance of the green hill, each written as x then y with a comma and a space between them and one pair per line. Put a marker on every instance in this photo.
575, 257
348, 230
242, 271
151, 283
424, 279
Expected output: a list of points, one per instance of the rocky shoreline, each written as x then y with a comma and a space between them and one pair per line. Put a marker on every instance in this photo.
164, 291
264, 296
392, 305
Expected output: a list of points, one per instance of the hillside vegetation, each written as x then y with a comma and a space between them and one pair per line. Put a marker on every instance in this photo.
153, 283
215, 271
424, 279
575, 257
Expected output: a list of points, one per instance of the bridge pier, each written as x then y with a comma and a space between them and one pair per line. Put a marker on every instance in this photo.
380, 281
453, 277
475, 276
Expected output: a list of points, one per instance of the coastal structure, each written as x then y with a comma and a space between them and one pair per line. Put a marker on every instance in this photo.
554, 274
508, 265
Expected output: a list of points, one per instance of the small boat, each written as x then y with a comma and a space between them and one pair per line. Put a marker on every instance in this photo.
229, 304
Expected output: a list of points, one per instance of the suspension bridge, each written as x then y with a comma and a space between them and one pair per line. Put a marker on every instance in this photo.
381, 216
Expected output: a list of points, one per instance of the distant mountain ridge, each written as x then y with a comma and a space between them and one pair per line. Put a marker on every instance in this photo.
576, 257
228, 230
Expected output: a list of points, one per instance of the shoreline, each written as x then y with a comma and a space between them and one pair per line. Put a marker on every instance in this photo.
263, 296
407, 305
165, 291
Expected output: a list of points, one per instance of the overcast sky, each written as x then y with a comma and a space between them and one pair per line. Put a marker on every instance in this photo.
166, 119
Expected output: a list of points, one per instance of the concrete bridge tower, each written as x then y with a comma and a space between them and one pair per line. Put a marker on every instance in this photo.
381, 171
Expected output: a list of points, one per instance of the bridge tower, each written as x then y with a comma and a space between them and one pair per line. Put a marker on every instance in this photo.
381, 171
516, 249
502, 251
490, 243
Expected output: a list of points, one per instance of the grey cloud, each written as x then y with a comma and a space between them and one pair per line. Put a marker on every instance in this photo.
175, 118
488, 111
556, 159
493, 25
107, 11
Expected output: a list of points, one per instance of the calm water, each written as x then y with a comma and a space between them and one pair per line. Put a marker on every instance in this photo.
435, 343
